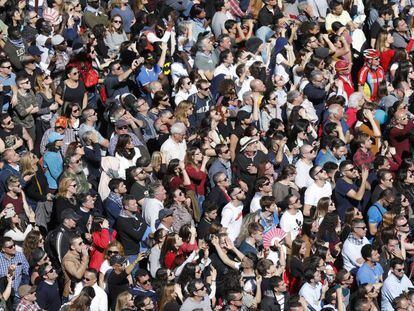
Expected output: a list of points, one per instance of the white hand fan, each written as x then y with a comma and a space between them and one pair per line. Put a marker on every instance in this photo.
272, 235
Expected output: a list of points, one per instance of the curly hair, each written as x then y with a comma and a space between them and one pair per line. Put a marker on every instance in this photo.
30, 243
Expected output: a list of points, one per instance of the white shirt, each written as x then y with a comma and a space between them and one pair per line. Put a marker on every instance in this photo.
292, 223
227, 71
312, 295
255, 203
124, 163
173, 150
314, 193
232, 218
99, 302
150, 210
302, 178
392, 288
351, 252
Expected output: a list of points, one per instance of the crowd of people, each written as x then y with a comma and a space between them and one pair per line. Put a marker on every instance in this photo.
206, 155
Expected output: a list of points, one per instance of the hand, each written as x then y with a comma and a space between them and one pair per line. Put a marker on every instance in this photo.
368, 114
243, 186
259, 279
85, 250
229, 244
88, 236
141, 256
49, 197
54, 107
105, 224
193, 231
32, 217
181, 165
392, 150
215, 240
364, 174
164, 46
252, 169
35, 110
213, 272
206, 158
28, 177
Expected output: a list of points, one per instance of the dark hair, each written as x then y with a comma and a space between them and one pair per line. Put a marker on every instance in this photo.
114, 183
96, 224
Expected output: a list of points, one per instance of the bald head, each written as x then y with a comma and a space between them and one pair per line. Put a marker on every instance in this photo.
257, 85
155, 86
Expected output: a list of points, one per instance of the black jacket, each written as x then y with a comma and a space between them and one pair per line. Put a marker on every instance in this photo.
271, 304
130, 230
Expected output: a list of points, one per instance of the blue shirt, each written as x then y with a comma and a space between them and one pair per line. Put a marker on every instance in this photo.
146, 75
21, 274
375, 213
322, 158
370, 275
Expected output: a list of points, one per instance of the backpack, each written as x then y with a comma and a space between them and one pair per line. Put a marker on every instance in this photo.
50, 248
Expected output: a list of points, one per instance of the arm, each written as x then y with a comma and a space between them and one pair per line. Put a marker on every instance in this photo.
77, 270
361, 191
161, 61
233, 145
131, 266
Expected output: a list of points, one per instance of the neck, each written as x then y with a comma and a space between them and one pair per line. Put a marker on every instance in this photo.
306, 160
8, 256
348, 180
197, 298
370, 263
235, 202
251, 241
292, 211
90, 123
320, 182
29, 71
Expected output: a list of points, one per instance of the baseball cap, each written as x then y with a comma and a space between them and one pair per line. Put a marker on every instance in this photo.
34, 50
117, 259
69, 214
54, 137
57, 39
121, 123
165, 212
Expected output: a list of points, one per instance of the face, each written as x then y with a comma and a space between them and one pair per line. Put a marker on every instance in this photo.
360, 230
388, 181
319, 81
9, 248
212, 215
161, 193
339, 152
50, 273
149, 304
24, 84
117, 22
338, 10
76, 111
238, 194
145, 282
112, 251
200, 290
402, 225
186, 84
89, 279
402, 26
132, 206
7, 123
74, 74
295, 203
77, 245
398, 270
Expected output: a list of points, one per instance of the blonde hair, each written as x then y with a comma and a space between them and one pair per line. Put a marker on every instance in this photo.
27, 164
112, 29
122, 301
156, 161
64, 186
381, 41
166, 295
181, 110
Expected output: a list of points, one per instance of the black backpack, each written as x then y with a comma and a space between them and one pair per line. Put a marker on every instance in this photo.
50, 248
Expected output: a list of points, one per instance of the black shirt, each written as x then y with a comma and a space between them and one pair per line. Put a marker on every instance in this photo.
48, 297
117, 283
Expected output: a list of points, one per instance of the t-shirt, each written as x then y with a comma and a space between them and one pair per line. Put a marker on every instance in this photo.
114, 87
117, 283
312, 295
146, 76
369, 275
232, 218
48, 297
314, 193
9, 138
292, 223
17, 203
189, 304
375, 213
343, 202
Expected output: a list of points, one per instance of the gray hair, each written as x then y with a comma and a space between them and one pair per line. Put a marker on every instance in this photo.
292, 95
315, 73
86, 137
178, 128
354, 99
153, 188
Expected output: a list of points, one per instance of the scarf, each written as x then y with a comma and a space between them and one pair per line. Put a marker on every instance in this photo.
115, 198
18, 43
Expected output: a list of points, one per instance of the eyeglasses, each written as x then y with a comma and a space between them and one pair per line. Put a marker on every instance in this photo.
204, 89
87, 279
350, 169
241, 191
75, 110
33, 17
25, 82
237, 299
117, 21
225, 179
399, 270
93, 114
320, 171
6, 67
123, 127
165, 99
145, 282
201, 288
50, 271
75, 73
363, 228
10, 246
297, 200
113, 252
226, 151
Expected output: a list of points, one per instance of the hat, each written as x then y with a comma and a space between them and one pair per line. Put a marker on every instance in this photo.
321, 52
26, 290
165, 212
54, 137
128, 100
245, 141
121, 123
117, 259
280, 44
252, 44
37, 255
61, 122
57, 39
342, 65
52, 16
371, 53
242, 115
69, 214
34, 50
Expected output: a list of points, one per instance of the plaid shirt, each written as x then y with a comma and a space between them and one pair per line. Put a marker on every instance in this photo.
354, 240
235, 8
28, 306
21, 270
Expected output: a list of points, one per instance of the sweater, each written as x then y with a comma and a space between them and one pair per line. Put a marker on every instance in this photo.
53, 164
74, 266
48, 297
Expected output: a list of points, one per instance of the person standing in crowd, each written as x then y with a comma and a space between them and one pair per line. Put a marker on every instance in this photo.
227, 154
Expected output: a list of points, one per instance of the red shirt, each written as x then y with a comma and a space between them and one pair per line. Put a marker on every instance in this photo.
400, 139
198, 178
100, 241
17, 203
385, 59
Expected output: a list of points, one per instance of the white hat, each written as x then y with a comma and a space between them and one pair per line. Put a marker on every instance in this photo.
57, 39
245, 141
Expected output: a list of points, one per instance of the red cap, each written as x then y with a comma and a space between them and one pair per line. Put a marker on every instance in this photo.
342, 65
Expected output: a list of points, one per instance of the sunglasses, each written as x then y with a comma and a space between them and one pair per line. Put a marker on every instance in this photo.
399, 270
117, 22
87, 279
25, 82
75, 110
50, 271
10, 246
73, 185
204, 89
6, 67
33, 17
225, 179
75, 73
146, 282
350, 169
403, 225
165, 99
123, 127
8, 123
201, 288
113, 252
